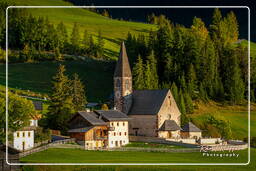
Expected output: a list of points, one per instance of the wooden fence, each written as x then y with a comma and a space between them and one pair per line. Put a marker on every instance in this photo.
45, 147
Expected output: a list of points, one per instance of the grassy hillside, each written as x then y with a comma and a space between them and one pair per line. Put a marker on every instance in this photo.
237, 115
113, 31
96, 76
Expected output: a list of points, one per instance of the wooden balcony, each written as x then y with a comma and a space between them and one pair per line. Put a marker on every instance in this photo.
110, 128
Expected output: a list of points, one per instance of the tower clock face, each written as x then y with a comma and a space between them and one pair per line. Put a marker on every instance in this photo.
117, 93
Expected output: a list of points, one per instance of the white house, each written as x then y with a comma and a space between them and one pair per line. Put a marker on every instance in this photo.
100, 128
23, 139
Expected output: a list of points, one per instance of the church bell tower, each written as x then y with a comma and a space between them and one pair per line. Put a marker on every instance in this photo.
122, 82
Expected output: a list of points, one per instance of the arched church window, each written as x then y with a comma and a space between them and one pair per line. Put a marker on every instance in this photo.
118, 83
127, 84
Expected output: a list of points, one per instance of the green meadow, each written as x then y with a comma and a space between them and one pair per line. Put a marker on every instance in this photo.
96, 76
114, 31
67, 155
78, 156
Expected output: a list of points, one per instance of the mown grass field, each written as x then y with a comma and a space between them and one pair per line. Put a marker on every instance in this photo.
76, 156
113, 31
67, 155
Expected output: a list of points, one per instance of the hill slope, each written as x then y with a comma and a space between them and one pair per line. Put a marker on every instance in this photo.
113, 31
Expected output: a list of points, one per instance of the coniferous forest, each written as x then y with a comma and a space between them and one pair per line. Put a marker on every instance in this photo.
199, 62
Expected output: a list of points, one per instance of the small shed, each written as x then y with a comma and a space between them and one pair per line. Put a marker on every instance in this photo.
169, 129
189, 130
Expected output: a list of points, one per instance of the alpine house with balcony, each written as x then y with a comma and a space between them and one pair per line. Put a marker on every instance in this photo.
100, 128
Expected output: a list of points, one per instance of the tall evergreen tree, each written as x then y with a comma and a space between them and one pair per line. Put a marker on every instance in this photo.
232, 24
61, 106
138, 74
153, 71
174, 90
75, 39
62, 36
188, 103
100, 45
77, 92
192, 84
86, 41
148, 76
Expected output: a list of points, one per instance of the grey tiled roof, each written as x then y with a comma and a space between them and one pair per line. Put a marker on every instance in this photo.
89, 116
81, 129
122, 67
169, 125
147, 102
112, 115
38, 105
190, 127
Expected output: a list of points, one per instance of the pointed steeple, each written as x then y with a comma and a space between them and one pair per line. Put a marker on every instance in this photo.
123, 67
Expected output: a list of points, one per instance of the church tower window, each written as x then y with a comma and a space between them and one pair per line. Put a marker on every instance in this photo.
127, 84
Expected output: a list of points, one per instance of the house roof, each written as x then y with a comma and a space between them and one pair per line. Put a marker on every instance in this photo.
147, 102
190, 127
90, 117
36, 116
85, 129
38, 105
122, 67
112, 115
27, 128
169, 125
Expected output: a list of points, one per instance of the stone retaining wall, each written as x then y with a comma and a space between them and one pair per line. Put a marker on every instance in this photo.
161, 140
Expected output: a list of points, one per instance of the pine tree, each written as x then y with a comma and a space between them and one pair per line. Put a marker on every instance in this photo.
77, 92
148, 76
62, 36
153, 70
202, 93
182, 105
188, 103
174, 90
61, 106
232, 79
58, 56
138, 74
184, 119
75, 39
104, 107
192, 84
92, 49
86, 41
105, 13
182, 82
232, 24
100, 45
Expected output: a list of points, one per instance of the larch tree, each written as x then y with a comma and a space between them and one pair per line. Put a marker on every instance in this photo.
75, 38
77, 92
153, 70
61, 107
138, 74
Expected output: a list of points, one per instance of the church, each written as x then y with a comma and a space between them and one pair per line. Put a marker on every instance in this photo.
153, 113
